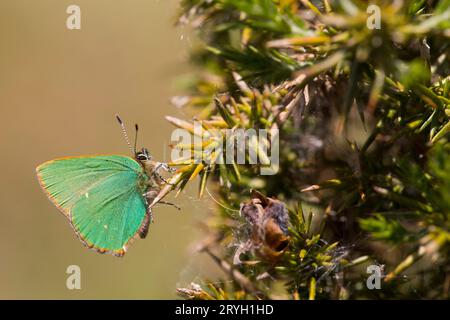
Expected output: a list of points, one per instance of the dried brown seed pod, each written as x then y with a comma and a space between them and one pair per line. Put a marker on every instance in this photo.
267, 221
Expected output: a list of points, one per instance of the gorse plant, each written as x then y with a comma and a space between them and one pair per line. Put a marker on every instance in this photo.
360, 98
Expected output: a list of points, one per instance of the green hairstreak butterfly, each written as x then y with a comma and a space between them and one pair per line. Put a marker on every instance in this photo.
106, 198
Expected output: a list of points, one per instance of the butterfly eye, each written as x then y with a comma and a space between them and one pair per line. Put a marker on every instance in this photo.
141, 156
145, 154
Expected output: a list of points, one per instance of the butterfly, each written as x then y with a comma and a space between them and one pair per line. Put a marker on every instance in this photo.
107, 199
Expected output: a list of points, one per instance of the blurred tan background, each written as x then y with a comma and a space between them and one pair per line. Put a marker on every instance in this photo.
59, 91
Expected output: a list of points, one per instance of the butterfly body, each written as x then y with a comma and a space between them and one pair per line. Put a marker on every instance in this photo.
105, 197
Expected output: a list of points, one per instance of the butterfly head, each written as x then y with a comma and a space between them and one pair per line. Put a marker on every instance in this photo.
143, 155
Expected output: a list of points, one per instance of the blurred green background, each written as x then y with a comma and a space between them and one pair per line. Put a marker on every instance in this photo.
59, 91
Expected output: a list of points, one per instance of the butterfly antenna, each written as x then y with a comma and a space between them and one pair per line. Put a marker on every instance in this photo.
136, 127
124, 131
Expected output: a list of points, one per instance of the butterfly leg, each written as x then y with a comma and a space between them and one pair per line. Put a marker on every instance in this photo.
149, 196
170, 204
164, 166
161, 178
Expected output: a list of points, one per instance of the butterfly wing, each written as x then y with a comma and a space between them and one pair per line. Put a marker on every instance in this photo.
100, 195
